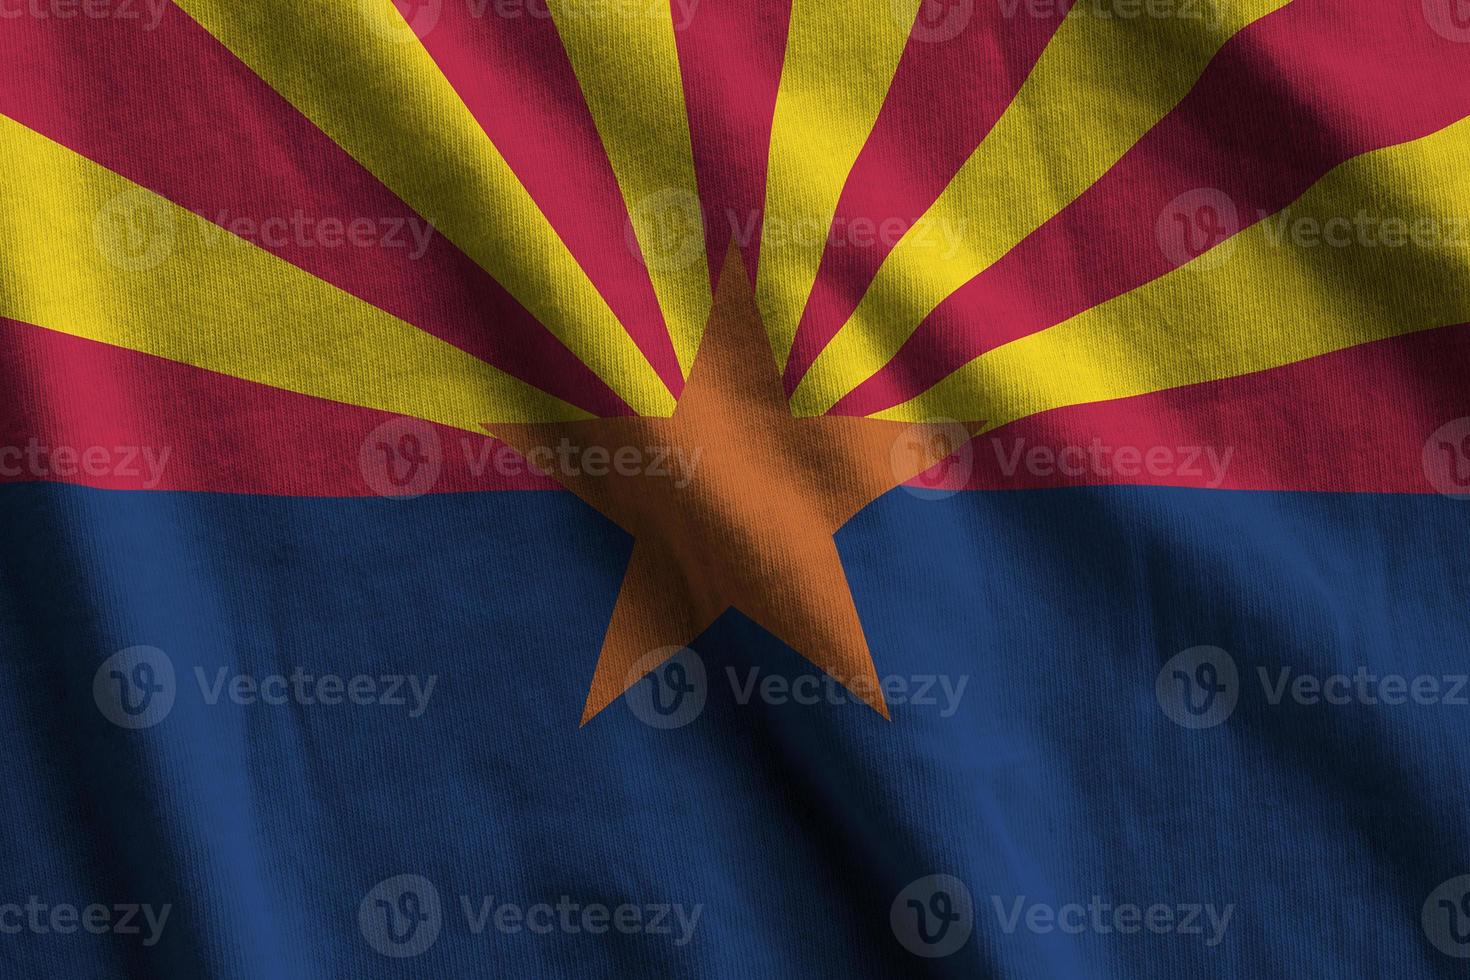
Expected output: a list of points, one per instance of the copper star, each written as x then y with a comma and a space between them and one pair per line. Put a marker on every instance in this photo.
742, 509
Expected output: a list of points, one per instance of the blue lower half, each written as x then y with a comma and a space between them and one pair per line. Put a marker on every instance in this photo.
1031, 756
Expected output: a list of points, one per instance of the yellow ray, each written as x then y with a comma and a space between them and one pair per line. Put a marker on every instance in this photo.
356, 71
87, 252
1380, 247
1103, 82
840, 62
627, 62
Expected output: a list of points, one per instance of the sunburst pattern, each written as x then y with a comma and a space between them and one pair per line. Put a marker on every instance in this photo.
579, 169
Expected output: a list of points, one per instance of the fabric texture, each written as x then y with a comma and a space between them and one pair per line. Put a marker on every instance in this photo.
734, 488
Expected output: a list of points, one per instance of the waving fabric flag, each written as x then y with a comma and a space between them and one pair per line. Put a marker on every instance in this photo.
735, 488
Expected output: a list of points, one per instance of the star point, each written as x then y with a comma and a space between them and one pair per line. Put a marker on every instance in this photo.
742, 511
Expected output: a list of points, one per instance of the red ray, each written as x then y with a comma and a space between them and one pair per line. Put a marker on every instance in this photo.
1354, 421
1286, 101
508, 65
947, 94
237, 436
731, 53
173, 110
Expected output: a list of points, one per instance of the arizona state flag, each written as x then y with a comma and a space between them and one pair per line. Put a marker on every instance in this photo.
734, 488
